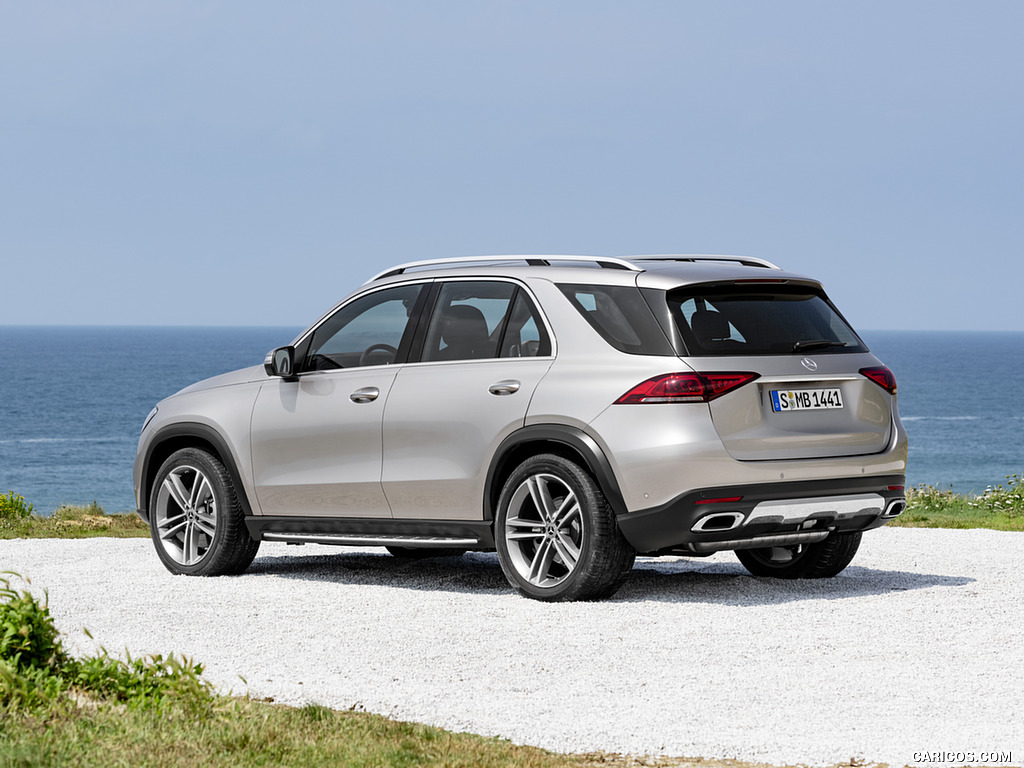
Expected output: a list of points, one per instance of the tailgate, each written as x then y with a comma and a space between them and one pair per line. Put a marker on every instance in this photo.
810, 399
789, 413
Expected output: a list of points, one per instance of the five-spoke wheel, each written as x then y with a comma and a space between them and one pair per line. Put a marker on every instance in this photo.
544, 530
185, 514
195, 519
556, 535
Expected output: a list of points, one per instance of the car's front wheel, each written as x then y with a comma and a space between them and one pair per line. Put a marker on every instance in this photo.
556, 535
196, 522
821, 560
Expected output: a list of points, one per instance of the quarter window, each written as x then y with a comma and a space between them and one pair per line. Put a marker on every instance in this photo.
622, 317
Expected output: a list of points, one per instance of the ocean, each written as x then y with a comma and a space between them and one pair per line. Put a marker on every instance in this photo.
73, 399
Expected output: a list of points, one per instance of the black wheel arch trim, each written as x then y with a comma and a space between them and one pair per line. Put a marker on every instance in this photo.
204, 433
580, 443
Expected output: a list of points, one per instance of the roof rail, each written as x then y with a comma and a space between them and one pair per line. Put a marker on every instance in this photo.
747, 261
607, 262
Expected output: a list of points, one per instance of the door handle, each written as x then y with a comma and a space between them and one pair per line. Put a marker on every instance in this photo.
506, 387
364, 395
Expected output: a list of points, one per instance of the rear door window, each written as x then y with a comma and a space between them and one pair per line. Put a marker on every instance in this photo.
760, 320
479, 320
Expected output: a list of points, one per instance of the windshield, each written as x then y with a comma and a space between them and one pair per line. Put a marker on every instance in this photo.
760, 320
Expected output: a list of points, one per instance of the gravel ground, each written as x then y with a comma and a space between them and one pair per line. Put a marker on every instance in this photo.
915, 648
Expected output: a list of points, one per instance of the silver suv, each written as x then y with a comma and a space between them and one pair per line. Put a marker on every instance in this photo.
569, 412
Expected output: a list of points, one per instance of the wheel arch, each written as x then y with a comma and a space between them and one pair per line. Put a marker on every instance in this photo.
188, 435
560, 439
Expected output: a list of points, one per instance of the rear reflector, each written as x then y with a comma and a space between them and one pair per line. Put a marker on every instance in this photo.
685, 388
726, 500
882, 376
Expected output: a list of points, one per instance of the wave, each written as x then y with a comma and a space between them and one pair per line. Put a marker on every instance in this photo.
34, 440
941, 418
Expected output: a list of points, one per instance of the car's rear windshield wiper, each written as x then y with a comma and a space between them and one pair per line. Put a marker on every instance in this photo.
803, 346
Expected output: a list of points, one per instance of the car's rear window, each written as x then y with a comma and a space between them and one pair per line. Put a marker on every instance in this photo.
759, 320
622, 317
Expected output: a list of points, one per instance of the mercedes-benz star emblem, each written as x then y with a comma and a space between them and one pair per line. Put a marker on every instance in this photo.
809, 364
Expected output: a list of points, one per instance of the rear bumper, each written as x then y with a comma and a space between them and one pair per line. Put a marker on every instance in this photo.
764, 515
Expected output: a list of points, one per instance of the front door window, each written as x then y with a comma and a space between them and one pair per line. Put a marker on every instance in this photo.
367, 331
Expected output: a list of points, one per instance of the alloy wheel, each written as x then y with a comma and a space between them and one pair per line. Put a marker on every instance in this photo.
544, 530
186, 515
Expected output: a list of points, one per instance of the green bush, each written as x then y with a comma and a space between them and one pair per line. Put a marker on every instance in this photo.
13, 506
29, 690
28, 637
31, 654
147, 682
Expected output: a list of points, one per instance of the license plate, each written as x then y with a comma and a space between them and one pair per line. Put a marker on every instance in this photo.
785, 401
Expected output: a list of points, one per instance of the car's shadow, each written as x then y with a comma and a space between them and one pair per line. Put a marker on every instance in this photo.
673, 580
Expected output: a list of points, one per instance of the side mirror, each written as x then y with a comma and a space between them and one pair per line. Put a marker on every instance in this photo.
280, 362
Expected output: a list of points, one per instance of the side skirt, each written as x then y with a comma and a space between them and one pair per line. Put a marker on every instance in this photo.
372, 532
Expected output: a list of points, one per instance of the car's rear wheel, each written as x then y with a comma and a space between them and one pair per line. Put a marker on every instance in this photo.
821, 560
196, 521
556, 535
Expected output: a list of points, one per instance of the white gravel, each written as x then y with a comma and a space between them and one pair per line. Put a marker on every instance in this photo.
915, 648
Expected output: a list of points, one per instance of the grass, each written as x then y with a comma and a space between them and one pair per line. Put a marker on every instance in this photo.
244, 732
158, 711
19, 521
1000, 508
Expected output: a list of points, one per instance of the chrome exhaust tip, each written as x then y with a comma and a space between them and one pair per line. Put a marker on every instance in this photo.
895, 508
718, 521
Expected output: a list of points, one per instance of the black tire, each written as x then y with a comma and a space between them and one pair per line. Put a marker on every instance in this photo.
196, 522
422, 553
580, 555
822, 560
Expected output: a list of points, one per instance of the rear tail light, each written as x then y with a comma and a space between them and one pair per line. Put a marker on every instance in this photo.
882, 376
685, 387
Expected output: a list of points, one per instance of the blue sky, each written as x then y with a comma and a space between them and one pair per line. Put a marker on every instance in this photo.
250, 163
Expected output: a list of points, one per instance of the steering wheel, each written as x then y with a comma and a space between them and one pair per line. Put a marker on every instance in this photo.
377, 348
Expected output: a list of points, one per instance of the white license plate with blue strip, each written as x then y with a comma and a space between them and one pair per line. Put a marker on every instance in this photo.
791, 400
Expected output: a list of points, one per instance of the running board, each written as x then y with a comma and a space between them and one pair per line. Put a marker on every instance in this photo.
373, 532
348, 540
